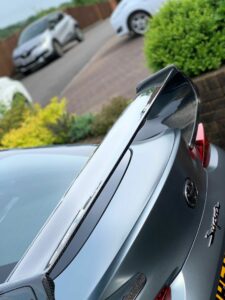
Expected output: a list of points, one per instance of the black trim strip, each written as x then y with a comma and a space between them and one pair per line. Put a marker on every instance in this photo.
92, 218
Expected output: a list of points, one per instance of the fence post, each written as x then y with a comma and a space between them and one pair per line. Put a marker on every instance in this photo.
98, 12
113, 4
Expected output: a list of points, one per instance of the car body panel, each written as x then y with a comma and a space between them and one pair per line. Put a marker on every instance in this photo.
62, 219
64, 30
202, 268
126, 8
9, 88
168, 231
199, 258
69, 213
93, 217
108, 236
151, 229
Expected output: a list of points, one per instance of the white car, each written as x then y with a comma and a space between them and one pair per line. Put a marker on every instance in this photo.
8, 89
131, 16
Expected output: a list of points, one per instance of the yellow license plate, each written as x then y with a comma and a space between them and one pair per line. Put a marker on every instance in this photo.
220, 295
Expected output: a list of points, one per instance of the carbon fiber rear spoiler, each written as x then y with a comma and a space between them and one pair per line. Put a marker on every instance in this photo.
165, 100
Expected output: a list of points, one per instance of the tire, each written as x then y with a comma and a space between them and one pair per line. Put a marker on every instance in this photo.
58, 49
25, 73
79, 36
138, 22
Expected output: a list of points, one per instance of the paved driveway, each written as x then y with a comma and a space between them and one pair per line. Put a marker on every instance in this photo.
51, 80
114, 71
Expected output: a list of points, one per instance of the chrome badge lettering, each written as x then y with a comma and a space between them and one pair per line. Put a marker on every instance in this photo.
210, 234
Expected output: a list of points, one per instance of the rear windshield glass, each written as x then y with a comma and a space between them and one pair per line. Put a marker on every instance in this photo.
33, 30
31, 186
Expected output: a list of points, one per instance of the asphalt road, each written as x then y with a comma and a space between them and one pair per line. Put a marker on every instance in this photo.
53, 78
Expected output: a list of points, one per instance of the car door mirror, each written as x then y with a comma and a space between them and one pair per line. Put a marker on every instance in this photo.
60, 17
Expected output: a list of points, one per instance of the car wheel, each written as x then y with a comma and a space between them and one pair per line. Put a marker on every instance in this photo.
79, 34
138, 22
58, 49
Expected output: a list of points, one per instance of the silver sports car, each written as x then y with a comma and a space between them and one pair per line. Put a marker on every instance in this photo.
142, 216
44, 39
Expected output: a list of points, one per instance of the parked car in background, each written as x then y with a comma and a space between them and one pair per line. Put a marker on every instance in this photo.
45, 39
8, 90
139, 217
132, 16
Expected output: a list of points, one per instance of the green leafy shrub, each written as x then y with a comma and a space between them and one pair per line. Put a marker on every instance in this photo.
61, 129
15, 116
26, 126
18, 97
190, 34
81, 127
3, 109
32, 130
108, 115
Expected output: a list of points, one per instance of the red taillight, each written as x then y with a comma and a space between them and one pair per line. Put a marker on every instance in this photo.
202, 146
164, 294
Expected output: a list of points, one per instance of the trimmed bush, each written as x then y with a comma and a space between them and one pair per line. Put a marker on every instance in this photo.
189, 34
81, 127
108, 115
26, 126
61, 129
12, 118
18, 98
3, 109
33, 130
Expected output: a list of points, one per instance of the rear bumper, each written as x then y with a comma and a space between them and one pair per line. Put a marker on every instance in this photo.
200, 275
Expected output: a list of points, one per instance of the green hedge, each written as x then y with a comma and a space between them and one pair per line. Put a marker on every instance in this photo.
108, 115
188, 33
87, 2
12, 118
81, 128
24, 125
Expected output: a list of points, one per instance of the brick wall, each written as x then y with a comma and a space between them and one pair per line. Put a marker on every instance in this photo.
86, 16
212, 93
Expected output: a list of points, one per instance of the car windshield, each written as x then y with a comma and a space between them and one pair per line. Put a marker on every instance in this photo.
33, 30
31, 186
